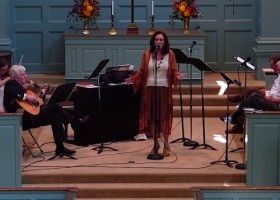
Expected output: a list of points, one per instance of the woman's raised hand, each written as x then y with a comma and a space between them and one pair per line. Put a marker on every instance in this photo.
180, 75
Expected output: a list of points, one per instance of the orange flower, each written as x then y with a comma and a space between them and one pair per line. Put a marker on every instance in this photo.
84, 9
184, 8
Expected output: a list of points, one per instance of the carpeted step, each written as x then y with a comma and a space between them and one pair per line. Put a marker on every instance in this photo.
133, 190
166, 198
209, 111
209, 100
132, 178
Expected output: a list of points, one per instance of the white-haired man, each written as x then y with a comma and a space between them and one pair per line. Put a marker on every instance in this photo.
14, 92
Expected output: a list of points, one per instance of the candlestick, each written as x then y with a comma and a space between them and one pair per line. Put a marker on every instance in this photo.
152, 7
132, 28
152, 30
132, 11
112, 8
112, 30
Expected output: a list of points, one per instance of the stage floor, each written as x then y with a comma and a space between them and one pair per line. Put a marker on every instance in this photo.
131, 156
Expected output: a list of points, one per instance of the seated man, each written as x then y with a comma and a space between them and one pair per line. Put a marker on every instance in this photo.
267, 103
239, 97
53, 115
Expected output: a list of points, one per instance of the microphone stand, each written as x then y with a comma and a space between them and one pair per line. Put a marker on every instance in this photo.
190, 142
242, 166
226, 160
100, 148
181, 58
155, 155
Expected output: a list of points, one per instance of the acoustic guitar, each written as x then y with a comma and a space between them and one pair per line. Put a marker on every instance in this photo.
34, 106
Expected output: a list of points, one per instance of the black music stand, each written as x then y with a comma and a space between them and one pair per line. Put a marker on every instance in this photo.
202, 66
98, 69
97, 73
247, 65
226, 160
182, 58
62, 93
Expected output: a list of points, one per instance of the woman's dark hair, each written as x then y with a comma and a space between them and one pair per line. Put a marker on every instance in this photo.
166, 45
4, 62
274, 58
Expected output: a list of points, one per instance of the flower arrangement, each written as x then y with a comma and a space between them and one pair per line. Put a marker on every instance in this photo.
184, 8
83, 10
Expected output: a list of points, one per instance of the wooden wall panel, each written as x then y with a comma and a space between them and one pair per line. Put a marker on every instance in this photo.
221, 21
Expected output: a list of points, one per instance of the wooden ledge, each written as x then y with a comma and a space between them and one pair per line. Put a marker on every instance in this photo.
10, 114
268, 71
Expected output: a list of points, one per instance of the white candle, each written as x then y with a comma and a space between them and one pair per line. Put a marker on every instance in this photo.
112, 7
152, 7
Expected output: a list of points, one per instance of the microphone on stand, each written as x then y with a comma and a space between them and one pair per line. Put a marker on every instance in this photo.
245, 61
157, 47
236, 82
192, 45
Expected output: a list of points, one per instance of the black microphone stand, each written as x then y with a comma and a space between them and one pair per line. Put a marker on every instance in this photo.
242, 166
101, 147
155, 155
182, 58
202, 66
191, 142
226, 160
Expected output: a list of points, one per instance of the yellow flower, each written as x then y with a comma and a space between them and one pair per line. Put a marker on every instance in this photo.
182, 6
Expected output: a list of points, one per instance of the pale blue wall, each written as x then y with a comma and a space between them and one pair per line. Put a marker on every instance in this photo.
36, 28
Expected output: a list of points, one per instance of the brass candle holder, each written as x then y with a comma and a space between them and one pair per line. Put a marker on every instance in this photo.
152, 30
112, 30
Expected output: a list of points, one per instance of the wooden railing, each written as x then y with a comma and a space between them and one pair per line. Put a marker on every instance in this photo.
236, 193
38, 193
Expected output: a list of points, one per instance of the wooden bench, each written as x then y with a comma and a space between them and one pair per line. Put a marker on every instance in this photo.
263, 148
269, 76
10, 148
236, 193
38, 193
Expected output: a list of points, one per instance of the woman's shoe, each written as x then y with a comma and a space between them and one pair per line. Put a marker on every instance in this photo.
166, 152
153, 149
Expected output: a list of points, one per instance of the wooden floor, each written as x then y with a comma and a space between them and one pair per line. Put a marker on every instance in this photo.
113, 170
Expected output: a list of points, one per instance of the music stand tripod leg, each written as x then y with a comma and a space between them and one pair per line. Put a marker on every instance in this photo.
101, 147
62, 155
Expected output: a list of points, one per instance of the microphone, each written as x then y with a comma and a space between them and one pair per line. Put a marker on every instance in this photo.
236, 82
192, 45
245, 61
157, 47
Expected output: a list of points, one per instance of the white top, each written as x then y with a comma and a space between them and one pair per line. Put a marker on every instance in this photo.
1, 98
162, 68
275, 89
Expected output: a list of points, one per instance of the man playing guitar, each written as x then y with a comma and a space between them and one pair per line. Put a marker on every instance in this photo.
14, 92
